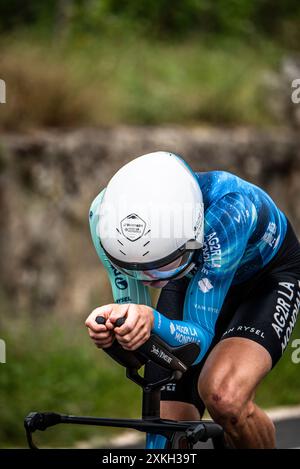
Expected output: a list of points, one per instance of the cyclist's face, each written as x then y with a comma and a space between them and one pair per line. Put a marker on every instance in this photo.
165, 268
159, 277
156, 283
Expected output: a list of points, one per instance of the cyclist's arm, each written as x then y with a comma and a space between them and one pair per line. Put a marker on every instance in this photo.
228, 225
124, 289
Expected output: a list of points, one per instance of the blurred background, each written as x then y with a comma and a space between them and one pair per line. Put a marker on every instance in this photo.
91, 84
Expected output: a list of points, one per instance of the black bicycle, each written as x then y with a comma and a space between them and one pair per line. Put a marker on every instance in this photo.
178, 434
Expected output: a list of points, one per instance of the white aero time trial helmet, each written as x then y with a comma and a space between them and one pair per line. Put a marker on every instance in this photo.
151, 218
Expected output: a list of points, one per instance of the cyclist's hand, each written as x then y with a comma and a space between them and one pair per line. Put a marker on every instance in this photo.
137, 327
102, 334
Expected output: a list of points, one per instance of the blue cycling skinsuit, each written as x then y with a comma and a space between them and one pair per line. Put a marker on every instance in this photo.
249, 246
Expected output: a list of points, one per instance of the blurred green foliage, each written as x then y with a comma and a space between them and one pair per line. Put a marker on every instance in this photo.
158, 17
131, 80
53, 366
109, 62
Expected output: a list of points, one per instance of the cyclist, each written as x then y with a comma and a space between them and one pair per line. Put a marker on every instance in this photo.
227, 261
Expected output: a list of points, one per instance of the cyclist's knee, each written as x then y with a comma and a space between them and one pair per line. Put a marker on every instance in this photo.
226, 403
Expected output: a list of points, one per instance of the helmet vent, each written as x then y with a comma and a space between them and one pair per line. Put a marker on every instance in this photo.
120, 242
146, 243
147, 232
146, 253
118, 231
122, 252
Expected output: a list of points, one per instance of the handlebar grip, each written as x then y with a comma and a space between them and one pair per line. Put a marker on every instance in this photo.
100, 320
119, 322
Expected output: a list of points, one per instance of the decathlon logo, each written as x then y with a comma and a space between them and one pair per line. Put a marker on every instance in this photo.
205, 285
2, 351
2, 92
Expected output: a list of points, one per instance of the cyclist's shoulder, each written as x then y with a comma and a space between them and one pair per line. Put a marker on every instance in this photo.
223, 186
94, 207
215, 177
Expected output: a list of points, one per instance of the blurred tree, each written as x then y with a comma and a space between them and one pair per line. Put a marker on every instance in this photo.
179, 17
218, 16
270, 14
64, 16
157, 17
16, 13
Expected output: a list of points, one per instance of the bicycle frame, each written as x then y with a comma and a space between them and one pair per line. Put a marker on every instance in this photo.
151, 422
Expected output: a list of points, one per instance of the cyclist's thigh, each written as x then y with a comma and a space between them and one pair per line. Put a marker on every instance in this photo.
234, 368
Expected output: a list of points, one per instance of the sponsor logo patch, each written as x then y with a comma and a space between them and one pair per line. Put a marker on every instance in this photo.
212, 252
120, 281
205, 285
172, 328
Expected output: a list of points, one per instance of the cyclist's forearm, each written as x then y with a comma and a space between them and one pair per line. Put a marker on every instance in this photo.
177, 333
